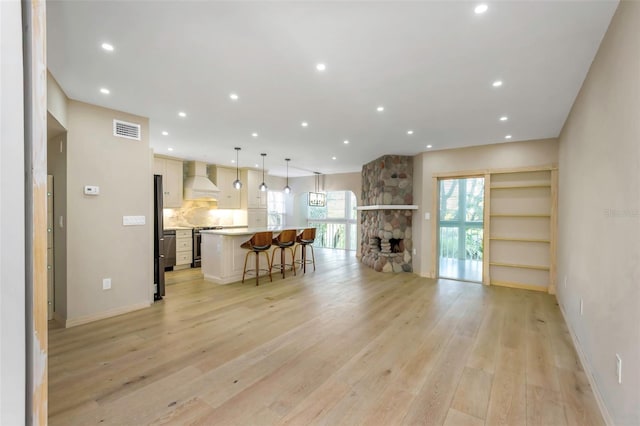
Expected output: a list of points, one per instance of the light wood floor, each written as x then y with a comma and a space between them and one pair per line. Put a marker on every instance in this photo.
340, 346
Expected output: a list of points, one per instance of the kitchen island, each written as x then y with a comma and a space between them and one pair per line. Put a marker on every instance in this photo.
222, 256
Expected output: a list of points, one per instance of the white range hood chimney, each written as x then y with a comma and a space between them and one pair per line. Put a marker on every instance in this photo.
197, 186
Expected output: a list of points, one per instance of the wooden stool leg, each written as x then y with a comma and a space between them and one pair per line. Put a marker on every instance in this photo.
313, 257
293, 260
282, 268
267, 254
244, 270
272, 257
304, 258
257, 268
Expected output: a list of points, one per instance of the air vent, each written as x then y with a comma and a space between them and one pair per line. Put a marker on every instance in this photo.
122, 129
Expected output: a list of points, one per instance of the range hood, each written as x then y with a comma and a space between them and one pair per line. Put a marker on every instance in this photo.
197, 186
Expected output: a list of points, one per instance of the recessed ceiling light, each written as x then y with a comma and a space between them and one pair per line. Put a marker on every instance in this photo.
429, 146
255, 135
105, 91
380, 108
233, 161
304, 124
497, 83
233, 96
481, 8
182, 114
333, 158
504, 118
108, 47
257, 165
346, 142
165, 133
170, 149
321, 67
409, 132
508, 137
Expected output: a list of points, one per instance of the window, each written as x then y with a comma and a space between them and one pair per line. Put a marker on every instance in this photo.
275, 208
335, 223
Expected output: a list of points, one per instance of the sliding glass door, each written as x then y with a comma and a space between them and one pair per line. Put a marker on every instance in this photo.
460, 226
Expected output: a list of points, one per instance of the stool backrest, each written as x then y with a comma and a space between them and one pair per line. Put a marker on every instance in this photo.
262, 239
307, 234
287, 236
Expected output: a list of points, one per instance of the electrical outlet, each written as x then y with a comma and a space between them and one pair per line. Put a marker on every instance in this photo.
106, 283
414, 251
619, 368
581, 306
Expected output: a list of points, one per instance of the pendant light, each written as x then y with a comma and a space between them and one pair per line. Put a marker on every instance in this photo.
236, 183
263, 186
317, 199
287, 189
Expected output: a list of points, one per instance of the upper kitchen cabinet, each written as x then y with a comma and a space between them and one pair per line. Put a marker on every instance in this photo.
228, 197
172, 175
252, 197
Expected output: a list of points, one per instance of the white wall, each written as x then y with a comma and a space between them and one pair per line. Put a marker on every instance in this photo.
56, 101
599, 217
486, 157
98, 245
12, 261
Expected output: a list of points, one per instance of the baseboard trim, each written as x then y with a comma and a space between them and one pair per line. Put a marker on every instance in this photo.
519, 286
587, 369
103, 315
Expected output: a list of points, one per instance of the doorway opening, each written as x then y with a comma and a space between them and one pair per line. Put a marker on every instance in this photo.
461, 228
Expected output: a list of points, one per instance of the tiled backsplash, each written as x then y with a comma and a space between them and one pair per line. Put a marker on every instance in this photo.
203, 213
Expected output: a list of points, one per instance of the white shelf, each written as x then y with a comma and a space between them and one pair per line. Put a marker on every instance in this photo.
389, 207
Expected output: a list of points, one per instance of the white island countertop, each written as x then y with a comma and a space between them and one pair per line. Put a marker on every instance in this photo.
250, 231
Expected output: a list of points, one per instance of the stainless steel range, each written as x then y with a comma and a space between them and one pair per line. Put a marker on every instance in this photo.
197, 239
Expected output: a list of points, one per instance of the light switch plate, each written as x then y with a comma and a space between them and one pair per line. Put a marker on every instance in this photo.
91, 190
133, 220
427, 216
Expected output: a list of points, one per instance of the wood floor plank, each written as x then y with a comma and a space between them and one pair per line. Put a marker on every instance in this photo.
544, 407
579, 402
540, 363
472, 393
457, 418
343, 345
432, 403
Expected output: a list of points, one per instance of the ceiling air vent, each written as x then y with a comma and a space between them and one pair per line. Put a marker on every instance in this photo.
122, 129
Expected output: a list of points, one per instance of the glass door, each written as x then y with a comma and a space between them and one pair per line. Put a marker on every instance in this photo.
460, 226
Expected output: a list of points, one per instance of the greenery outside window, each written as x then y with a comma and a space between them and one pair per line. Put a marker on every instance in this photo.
335, 223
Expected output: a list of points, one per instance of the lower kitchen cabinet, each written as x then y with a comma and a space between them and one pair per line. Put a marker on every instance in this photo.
184, 248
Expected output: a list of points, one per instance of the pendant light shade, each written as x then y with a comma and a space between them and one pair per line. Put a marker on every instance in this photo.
236, 183
263, 186
287, 189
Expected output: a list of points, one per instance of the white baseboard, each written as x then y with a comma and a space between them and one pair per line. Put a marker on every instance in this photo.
102, 315
587, 369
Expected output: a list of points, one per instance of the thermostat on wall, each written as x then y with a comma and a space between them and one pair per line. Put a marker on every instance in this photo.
91, 190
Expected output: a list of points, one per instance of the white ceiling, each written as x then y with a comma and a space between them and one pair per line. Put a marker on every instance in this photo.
431, 64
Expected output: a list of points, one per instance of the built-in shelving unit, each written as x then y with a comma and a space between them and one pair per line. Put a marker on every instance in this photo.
520, 246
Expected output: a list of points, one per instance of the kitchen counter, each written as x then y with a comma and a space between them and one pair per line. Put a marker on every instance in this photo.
249, 231
222, 256
177, 228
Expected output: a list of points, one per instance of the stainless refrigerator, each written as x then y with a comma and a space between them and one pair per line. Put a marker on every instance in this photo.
158, 240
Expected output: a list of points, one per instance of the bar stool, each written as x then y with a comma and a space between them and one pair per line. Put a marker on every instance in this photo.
305, 239
285, 240
259, 243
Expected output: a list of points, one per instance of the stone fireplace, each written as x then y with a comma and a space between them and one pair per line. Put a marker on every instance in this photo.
385, 217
